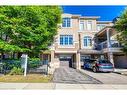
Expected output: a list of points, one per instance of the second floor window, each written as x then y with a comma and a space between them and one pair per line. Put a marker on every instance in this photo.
66, 22
66, 40
99, 27
89, 25
87, 41
81, 25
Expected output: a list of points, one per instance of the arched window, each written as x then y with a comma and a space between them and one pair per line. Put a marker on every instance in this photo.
87, 41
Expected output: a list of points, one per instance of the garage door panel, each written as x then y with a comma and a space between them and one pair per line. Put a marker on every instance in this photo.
65, 62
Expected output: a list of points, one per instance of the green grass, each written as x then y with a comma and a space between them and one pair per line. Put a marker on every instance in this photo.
30, 78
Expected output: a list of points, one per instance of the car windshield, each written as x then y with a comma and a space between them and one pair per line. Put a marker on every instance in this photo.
104, 61
89, 60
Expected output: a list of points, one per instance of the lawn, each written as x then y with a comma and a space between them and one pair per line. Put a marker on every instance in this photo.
30, 78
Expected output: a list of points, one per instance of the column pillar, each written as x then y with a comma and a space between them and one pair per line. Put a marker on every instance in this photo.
110, 57
110, 54
78, 63
51, 69
52, 56
108, 38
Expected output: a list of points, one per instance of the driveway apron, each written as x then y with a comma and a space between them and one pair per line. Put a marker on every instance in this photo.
66, 74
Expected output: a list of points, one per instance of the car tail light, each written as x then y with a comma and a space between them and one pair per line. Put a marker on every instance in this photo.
99, 65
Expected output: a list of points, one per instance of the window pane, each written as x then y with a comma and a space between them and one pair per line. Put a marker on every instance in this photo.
66, 40
66, 22
98, 27
70, 40
87, 41
61, 40
89, 25
81, 25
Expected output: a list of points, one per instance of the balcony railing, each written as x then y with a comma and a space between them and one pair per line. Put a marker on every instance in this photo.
113, 44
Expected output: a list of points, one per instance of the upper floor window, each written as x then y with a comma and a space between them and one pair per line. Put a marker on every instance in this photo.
66, 40
66, 22
99, 27
89, 25
81, 25
87, 41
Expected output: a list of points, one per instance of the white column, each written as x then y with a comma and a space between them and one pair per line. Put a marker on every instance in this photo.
108, 37
110, 57
52, 56
110, 54
78, 63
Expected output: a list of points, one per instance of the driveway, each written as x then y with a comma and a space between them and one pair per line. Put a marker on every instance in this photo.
65, 74
107, 78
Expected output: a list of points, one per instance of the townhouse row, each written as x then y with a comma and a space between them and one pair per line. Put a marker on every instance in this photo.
84, 37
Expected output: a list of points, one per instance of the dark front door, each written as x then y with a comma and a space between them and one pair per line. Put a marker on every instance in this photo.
65, 62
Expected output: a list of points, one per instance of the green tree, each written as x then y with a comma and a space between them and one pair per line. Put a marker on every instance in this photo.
121, 27
28, 29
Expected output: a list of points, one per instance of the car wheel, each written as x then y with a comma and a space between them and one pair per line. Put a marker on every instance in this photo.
94, 69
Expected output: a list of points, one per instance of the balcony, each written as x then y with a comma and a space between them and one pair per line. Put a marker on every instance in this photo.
115, 46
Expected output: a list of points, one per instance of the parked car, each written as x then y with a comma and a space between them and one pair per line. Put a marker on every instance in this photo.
99, 65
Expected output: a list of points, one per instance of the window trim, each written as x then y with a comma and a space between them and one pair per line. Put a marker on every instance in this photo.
66, 42
67, 22
80, 25
100, 25
88, 40
91, 25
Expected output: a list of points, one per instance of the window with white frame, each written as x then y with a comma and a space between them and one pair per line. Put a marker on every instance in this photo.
87, 41
66, 22
66, 40
89, 25
99, 27
81, 25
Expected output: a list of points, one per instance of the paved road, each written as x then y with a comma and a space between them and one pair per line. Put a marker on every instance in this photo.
70, 75
107, 78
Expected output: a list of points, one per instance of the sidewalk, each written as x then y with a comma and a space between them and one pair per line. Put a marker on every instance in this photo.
121, 71
55, 86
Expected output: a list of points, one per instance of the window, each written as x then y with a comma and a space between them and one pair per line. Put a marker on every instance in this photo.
87, 41
89, 25
99, 27
66, 22
81, 25
66, 40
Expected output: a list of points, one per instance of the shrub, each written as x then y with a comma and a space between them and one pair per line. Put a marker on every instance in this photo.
8, 64
33, 62
16, 71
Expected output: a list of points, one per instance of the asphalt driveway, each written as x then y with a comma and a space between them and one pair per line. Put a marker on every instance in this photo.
107, 78
69, 75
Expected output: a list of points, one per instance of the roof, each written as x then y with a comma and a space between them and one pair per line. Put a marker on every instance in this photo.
91, 17
104, 22
79, 16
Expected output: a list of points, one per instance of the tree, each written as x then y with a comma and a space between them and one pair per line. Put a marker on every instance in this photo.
28, 29
121, 27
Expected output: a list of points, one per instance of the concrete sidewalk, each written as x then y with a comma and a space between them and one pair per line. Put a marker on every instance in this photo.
55, 86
